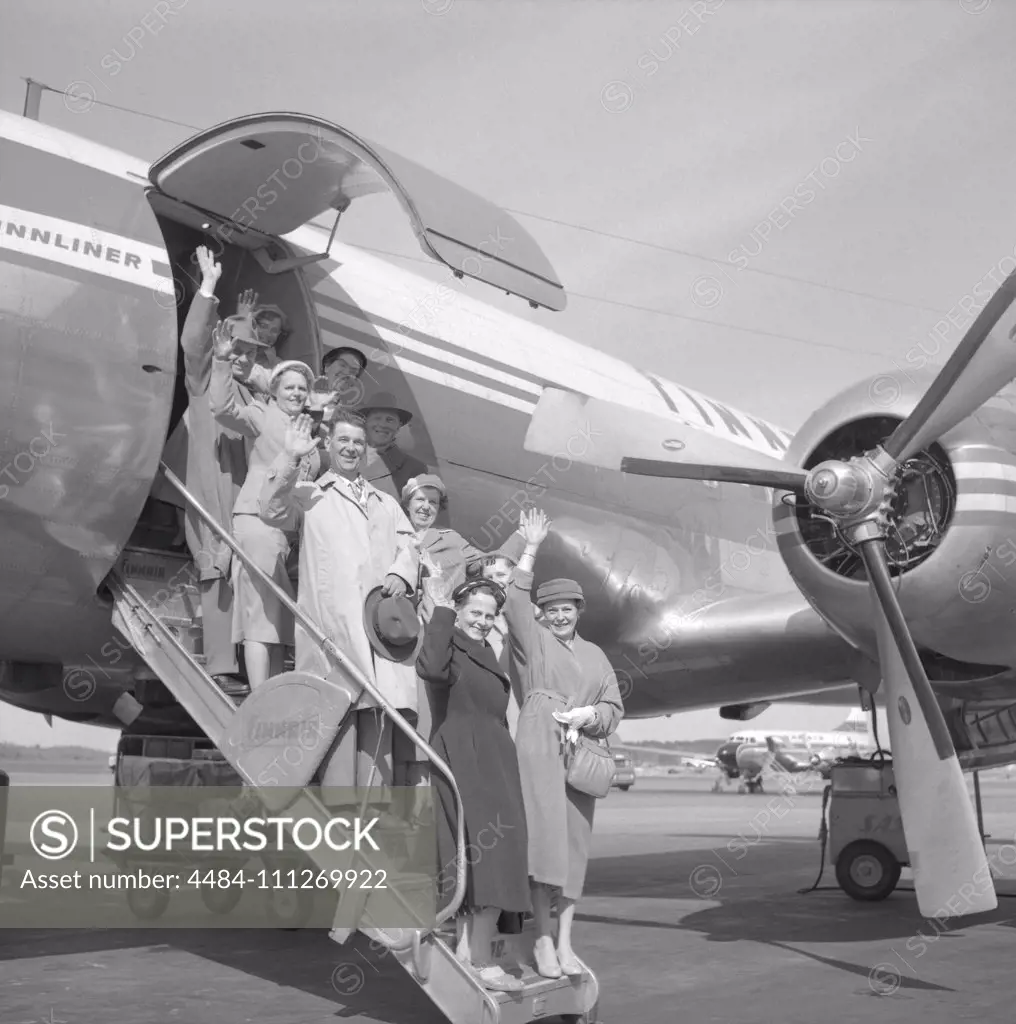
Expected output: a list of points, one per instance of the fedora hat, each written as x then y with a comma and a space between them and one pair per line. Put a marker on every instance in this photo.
241, 328
385, 400
392, 627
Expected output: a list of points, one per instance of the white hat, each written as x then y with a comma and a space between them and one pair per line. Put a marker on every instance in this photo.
284, 367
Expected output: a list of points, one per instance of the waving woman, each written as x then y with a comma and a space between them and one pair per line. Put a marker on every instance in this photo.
260, 621
473, 740
569, 690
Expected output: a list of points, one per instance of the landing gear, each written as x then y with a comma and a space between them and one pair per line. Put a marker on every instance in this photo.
751, 786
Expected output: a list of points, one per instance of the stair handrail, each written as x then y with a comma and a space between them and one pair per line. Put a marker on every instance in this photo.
339, 660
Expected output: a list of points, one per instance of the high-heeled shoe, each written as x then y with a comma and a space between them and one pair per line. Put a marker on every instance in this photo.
569, 964
546, 958
496, 979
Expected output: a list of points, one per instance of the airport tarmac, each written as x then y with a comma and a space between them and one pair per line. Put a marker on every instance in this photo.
691, 912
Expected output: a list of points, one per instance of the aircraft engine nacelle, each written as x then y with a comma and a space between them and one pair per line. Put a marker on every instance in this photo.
952, 539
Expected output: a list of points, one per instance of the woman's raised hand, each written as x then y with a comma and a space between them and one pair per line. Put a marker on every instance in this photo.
222, 341
246, 302
210, 270
438, 588
300, 440
534, 526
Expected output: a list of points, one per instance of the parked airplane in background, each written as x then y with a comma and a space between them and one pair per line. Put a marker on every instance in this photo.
700, 764
852, 736
890, 508
750, 753
749, 762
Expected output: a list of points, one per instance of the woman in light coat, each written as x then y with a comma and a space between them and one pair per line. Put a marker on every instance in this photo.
569, 687
260, 621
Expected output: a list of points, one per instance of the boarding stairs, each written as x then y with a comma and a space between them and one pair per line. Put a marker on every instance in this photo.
427, 954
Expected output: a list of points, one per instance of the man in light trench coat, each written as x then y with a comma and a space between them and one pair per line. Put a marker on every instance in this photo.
354, 538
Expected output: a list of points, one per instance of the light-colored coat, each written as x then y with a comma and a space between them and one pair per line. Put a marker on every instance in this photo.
555, 677
345, 551
265, 423
208, 456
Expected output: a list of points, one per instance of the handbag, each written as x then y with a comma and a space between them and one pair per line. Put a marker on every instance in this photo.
589, 766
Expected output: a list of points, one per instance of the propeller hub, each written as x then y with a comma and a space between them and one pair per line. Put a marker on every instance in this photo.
840, 488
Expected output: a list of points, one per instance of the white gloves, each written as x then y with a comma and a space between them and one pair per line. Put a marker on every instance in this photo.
575, 720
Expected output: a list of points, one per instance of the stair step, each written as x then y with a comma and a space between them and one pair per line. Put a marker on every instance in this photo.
453, 987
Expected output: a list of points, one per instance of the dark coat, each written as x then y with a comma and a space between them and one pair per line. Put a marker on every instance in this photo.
472, 738
393, 469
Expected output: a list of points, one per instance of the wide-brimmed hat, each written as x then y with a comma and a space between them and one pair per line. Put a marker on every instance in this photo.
385, 400
392, 626
241, 328
559, 590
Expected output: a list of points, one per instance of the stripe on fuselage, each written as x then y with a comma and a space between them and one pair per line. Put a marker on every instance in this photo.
86, 249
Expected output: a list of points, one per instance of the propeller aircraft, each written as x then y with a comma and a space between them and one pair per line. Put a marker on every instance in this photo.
725, 562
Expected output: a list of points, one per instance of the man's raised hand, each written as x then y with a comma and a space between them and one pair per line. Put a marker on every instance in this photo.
210, 270
222, 341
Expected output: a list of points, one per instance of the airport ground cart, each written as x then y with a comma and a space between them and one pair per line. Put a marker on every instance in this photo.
866, 843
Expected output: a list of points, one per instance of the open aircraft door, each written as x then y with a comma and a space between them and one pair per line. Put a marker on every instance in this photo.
269, 174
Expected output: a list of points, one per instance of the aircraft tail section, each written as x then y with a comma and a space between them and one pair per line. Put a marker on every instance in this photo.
857, 721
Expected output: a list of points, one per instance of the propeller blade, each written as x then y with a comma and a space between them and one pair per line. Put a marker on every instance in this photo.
618, 437
946, 851
983, 363
781, 480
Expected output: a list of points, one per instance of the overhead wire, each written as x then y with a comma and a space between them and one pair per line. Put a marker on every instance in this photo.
718, 263
636, 307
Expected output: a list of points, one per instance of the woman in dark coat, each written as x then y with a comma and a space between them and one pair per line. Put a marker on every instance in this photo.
473, 740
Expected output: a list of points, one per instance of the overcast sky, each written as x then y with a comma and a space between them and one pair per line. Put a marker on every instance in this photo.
817, 183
